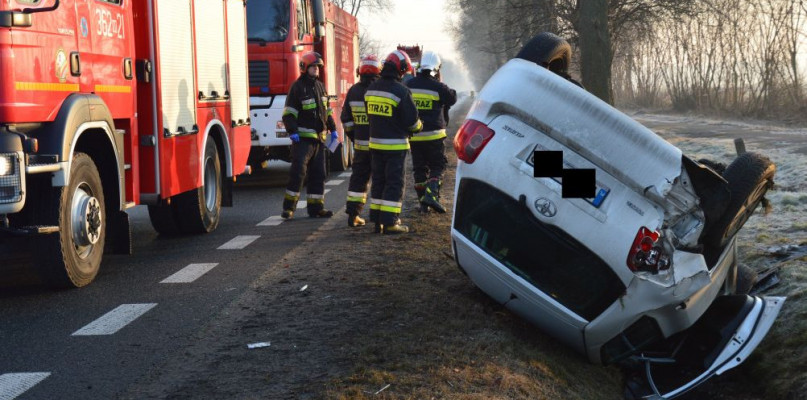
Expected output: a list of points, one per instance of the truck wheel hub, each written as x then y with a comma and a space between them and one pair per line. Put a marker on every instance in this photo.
86, 214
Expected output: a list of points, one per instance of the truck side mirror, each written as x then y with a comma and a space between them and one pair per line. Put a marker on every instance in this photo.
319, 19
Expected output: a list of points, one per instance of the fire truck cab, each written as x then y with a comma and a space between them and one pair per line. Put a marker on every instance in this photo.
279, 32
107, 104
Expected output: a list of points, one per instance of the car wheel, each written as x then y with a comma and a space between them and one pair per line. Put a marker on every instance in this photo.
72, 257
198, 211
162, 219
548, 50
749, 176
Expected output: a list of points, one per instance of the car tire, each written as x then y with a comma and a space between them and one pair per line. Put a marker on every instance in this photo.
199, 210
72, 257
548, 50
749, 176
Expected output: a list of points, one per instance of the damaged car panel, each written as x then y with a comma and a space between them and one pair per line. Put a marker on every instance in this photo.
626, 275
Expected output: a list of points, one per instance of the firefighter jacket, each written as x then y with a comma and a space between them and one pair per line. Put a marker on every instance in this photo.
354, 114
391, 112
307, 112
431, 97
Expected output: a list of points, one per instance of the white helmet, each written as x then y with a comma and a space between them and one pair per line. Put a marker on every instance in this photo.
430, 61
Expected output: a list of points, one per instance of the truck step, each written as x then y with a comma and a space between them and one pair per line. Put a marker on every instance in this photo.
30, 230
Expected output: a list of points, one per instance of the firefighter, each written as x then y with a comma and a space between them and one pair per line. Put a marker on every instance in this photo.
354, 120
393, 119
307, 116
433, 99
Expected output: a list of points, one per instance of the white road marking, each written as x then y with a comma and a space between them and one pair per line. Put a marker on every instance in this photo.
334, 182
13, 385
114, 320
345, 174
190, 273
302, 204
239, 242
326, 191
274, 220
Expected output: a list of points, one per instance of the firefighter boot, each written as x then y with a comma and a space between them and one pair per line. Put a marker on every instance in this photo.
354, 220
431, 196
394, 229
420, 189
288, 207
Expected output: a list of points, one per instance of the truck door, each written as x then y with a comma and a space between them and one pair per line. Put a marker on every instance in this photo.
105, 45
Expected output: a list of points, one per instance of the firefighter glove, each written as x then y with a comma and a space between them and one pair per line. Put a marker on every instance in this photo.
334, 135
294, 138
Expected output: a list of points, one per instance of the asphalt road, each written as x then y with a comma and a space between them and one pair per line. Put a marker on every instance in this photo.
56, 345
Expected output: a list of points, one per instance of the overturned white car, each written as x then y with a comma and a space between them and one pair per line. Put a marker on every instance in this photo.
643, 273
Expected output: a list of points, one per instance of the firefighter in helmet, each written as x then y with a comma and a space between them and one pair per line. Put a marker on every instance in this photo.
308, 119
393, 119
432, 98
354, 120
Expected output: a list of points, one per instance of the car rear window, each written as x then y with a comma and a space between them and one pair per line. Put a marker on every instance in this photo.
547, 257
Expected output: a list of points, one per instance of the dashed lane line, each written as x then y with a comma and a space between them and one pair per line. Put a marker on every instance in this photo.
302, 204
345, 174
274, 220
334, 182
190, 273
239, 242
115, 320
14, 384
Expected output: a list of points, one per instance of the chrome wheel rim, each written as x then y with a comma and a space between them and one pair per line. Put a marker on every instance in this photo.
210, 184
86, 220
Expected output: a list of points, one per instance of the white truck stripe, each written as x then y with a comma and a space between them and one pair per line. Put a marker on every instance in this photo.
239, 242
114, 320
13, 385
190, 273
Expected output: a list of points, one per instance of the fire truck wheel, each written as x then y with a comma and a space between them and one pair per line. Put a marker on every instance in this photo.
340, 158
72, 257
750, 176
162, 219
198, 211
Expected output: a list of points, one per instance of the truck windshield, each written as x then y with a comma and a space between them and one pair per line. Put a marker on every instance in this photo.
268, 21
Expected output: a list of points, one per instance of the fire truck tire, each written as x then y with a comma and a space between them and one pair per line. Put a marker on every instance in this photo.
750, 176
340, 158
162, 219
198, 211
72, 257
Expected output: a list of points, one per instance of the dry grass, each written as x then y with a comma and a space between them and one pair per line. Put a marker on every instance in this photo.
436, 336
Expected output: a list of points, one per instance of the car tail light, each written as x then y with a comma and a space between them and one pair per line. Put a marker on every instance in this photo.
647, 254
471, 139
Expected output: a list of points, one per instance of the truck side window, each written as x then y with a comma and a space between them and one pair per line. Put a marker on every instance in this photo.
111, 1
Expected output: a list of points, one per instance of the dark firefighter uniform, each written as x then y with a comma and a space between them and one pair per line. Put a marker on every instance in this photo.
357, 128
432, 98
308, 115
393, 119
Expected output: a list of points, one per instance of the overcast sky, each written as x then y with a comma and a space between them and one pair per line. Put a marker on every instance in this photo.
412, 22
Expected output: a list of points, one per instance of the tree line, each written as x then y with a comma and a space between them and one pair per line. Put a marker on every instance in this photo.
738, 57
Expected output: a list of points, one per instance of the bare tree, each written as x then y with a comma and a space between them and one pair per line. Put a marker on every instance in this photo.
368, 45
595, 48
373, 6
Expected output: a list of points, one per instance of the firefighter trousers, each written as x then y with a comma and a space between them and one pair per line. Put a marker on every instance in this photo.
307, 157
388, 185
428, 162
359, 179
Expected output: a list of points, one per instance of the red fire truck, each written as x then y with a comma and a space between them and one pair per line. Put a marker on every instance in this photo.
279, 32
106, 104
